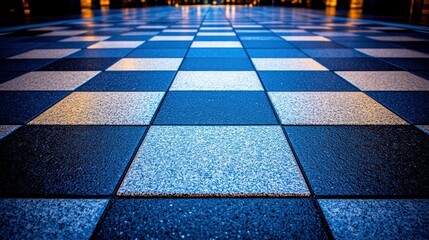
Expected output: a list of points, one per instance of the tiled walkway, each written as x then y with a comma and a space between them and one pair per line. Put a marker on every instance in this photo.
214, 122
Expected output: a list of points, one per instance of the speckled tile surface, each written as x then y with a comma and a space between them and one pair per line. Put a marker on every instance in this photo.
385, 80
49, 218
149, 64
218, 160
377, 219
211, 218
48, 81
269, 110
287, 64
102, 108
45, 54
216, 81
331, 108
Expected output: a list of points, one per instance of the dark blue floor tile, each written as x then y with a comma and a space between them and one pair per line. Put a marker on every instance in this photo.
216, 52
266, 44
211, 219
6, 76
130, 38
65, 160
410, 64
166, 44
328, 45
363, 160
275, 53
216, 38
216, 64
304, 81
334, 53
157, 53
101, 53
59, 45
374, 44
412, 106
216, 108
25, 65
20, 107
130, 81
80, 64
356, 64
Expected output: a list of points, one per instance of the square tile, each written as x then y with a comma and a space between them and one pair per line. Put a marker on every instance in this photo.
166, 44
306, 38
50, 218
205, 218
18, 108
385, 81
80, 64
157, 53
287, 64
216, 44
130, 81
180, 30
172, 38
410, 64
23, 65
45, 54
48, 81
412, 106
377, 218
152, 27
146, 64
7, 129
216, 64
363, 160
85, 39
116, 44
266, 44
215, 107
216, 52
222, 34
216, 81
275, 53
102, 108
333, 53
356, 64
66, 160
214, 161
304, 81
331, 108
139, 33
101, 53
392, 53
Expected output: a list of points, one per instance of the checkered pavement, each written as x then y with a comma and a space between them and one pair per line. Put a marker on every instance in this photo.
214, 122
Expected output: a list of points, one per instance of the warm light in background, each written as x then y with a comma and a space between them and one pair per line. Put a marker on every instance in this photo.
331, 3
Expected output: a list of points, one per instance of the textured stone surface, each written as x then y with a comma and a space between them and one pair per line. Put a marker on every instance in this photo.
45, 53
211, 161
287, 64
392, 53
331, 108
216, 44
212, 218
100, 108
385, 80
363, 160
220, 81
165, 64
48, 80
49, 218
117, 44
377, 219
7, 129
65, 160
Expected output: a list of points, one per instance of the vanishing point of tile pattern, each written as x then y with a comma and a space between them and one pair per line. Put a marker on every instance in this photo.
214, 122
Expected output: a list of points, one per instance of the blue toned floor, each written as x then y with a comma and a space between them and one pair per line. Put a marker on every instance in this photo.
214, 122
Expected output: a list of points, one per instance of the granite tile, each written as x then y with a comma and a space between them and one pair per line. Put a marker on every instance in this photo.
214, 161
